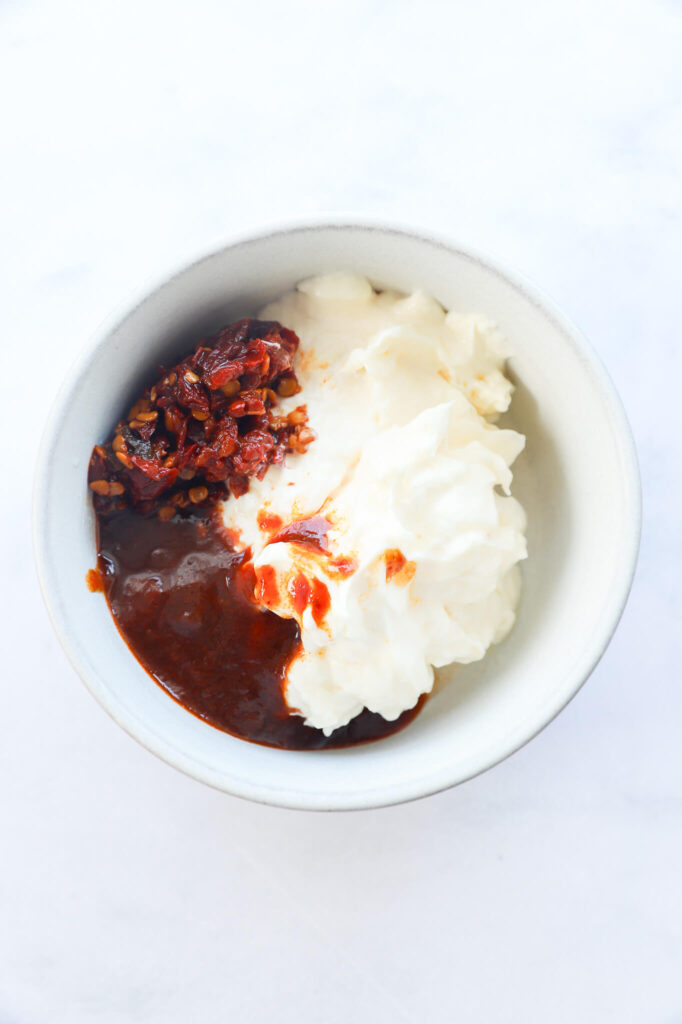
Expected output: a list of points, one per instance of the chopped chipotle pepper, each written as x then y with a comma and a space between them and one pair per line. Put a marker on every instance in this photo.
206, 425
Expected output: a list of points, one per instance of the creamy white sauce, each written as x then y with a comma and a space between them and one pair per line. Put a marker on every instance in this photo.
402, 399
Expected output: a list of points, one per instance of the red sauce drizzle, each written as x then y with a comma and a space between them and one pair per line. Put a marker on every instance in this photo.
395, 561
266, 586
342, 565
299, 591
320, 602
398, 568
94, 580
268, 520
310, 533
304, 592
182, 599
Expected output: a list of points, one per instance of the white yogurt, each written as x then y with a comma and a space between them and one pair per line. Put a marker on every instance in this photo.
402, 398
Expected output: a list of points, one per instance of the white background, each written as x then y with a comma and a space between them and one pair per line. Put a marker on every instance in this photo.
549, 134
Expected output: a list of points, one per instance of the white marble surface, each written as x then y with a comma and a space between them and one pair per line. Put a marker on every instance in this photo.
549, 134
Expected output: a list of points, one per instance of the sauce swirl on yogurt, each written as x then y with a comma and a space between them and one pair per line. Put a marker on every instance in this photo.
182, 600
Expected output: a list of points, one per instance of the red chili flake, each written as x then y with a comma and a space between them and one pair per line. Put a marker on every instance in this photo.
149, 478
239, 485
222, 375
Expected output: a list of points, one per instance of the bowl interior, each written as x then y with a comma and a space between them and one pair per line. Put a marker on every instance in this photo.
577, 480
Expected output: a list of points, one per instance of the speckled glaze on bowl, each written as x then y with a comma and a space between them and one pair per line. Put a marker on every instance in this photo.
577, 479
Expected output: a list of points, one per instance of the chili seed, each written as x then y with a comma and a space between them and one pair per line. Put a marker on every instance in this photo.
199, 415
198, 494
166, 512
125, 459
118, 444
186, 474
191, 377
116, 488
306, 435
100, 487
231, 388
287, 387
147, 417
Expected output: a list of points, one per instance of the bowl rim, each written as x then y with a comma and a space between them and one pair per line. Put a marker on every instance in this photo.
408, 790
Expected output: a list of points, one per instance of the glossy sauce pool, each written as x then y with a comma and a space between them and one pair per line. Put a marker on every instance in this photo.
182, 599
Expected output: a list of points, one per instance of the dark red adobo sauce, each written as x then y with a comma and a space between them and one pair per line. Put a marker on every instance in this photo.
184, 600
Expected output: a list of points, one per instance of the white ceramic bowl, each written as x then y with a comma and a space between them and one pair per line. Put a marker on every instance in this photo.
577, 479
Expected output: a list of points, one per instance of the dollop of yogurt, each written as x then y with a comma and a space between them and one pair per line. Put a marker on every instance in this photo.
408, 486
